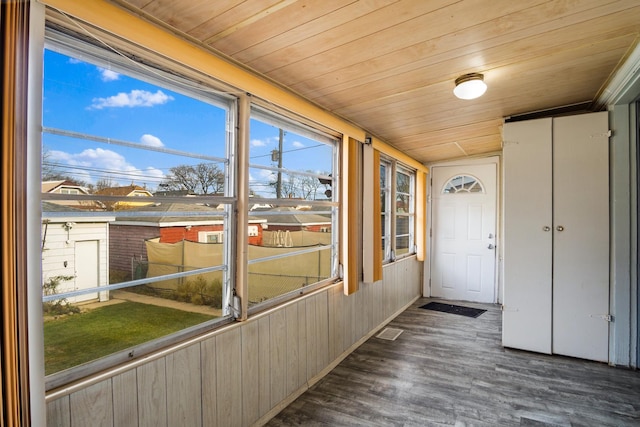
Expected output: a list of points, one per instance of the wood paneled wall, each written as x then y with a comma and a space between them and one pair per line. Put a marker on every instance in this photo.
245, 373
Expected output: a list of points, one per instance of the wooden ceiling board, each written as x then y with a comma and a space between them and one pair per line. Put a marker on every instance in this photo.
481, 144
445, 20
448, 150
250, 20
527, 49
389, 65
463, 132
510, 80
326, 25
190, 14
364, 26
428, 59
292, 21
236, 13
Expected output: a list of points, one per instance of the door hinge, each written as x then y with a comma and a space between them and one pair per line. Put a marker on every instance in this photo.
602, 135
606, 317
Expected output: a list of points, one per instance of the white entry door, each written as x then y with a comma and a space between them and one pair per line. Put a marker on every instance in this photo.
463, 256
86, 266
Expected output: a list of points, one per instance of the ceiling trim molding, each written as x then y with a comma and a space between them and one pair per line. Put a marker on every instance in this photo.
624, 85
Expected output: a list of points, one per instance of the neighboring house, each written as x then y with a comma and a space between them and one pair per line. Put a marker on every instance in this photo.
174, 193
69, 188
168, 222
75, 246
293, 219
127, 191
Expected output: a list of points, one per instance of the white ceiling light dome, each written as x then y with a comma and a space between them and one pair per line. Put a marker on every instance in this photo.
470, 86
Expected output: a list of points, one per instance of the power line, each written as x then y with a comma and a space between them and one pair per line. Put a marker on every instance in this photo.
289, 151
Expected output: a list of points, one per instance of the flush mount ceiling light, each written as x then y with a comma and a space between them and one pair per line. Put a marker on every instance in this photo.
470, 86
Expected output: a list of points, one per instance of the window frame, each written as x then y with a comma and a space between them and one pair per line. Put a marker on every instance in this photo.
390, 238
201, 87
290, 122
410, 215
386, 213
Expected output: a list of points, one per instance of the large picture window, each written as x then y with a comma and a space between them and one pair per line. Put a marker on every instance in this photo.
139, 225
137, 202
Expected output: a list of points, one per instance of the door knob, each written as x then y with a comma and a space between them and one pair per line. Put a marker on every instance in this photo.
560, 228
490, 246
546, 228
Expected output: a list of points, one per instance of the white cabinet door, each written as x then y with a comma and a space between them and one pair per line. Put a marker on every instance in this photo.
528, 238
556, 236
581, 236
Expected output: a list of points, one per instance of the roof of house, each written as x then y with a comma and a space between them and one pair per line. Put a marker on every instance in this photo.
55, 212
55, 207
50, 186
122, 191
286, 215
174, 214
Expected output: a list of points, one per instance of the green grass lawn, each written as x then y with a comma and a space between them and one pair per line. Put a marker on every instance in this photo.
80, 338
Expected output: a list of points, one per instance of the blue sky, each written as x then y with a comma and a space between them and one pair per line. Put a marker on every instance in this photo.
82, 97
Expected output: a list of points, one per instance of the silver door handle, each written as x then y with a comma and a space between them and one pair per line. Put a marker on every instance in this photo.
546, 228
560, 228
490, 246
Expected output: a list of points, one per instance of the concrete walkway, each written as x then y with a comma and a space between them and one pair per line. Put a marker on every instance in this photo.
120, 295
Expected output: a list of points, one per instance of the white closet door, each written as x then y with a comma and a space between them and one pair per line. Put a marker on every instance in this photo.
527, 251
581, 236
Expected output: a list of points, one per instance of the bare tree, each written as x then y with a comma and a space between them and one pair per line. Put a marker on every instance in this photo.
300, 186
103, 183
203, 178
51, 171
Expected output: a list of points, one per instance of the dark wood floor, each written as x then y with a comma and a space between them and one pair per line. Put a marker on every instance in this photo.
446, 369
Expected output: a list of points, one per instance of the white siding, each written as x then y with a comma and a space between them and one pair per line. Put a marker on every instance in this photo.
59, 248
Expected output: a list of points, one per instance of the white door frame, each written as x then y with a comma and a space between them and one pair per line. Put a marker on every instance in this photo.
493, 159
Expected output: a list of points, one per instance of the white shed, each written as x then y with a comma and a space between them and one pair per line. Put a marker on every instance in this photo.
76, 244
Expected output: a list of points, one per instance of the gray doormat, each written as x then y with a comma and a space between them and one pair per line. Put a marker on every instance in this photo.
455, 309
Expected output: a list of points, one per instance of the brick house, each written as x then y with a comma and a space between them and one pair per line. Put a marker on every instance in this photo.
171, 222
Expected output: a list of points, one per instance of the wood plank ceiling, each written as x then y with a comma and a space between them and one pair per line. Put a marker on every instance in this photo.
389, 65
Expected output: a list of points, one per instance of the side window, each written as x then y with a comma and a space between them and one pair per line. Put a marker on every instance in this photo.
397, 207
385, 208
405, 211
137, 208
293, 199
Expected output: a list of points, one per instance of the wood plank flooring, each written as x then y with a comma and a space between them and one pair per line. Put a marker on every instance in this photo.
446, 369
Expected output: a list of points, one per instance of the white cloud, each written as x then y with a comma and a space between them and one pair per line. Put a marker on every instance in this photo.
258, 143
298, 144
108, 75
150, 140
74, 61
135, 98
95, 163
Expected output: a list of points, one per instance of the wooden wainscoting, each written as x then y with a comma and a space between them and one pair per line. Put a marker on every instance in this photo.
244, 373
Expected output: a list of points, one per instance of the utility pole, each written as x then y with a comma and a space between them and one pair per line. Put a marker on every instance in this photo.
279, 182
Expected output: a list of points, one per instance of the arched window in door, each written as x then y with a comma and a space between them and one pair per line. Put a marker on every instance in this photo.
463, 184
